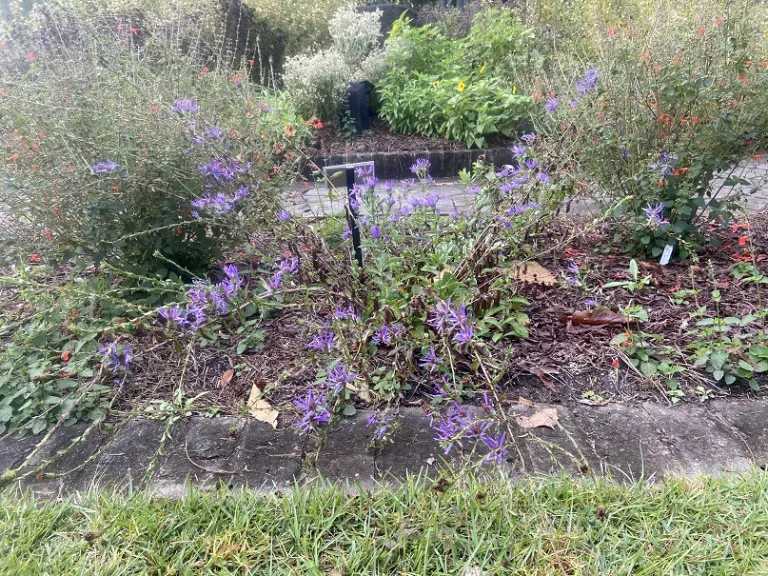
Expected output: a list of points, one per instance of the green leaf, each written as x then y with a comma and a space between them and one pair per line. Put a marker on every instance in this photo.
6, 413
718, 375
349, 410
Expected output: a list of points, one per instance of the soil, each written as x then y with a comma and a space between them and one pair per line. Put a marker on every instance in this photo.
560, 362
331, 141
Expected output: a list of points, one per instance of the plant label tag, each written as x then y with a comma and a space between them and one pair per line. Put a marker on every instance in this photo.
666, 255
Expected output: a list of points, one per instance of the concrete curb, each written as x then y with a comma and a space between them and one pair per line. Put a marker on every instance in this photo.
627, 442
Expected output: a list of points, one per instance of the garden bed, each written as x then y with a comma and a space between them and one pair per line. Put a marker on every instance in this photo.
560, 362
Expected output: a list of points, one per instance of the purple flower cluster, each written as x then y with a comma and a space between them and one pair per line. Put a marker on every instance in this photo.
118, 358
222, 170
655, 215
387, 334
202, 297
323, 342
458, 424
590, 302
364, 171
381, 424
185, 105
517, 209
588, 83
420, 168
574, 269
314, 412
552, 104
339, 377
219, 203
106, 165
430, 360
444, 318
346, 313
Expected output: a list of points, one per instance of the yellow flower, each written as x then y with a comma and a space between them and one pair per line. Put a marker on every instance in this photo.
482, 69
436, 83
514, 89
461, 86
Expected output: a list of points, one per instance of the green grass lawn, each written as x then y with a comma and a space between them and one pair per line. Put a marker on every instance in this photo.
462, 526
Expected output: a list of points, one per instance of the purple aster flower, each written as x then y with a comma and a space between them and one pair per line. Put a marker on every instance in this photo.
339, 377
213, 133
383, 336
588, 82
274, 282
407, 183
474, 190
346, 313
381, 425
347, 234
552, 103
323, 341
447, 434
477, 429
440, 315
528, 137
230, 286
289, 266
264, 107
544, 177
464, 335
590, 303
107, 165
454, 214
375, 232
314, 412
240, 193
388, 186
654, 214
430, 360
519, 150
230, 271
574, 104
363, 171
496, 445
283, 215
421, 167
531, 163
196, 316
185, 105
505, 188
175, 314
370, 182
219, 301
195, 214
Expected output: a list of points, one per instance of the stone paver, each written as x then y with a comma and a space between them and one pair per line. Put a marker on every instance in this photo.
627, 442
317, 200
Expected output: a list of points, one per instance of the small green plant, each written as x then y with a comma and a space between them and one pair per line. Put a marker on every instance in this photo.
634, 285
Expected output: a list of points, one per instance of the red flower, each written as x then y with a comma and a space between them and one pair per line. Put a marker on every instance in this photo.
34, 258
743, 240
615, 363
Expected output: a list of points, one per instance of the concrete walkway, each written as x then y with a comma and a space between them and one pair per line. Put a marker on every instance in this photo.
625, 441
317, 200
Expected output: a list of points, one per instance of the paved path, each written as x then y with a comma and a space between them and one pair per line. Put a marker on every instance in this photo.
318, 200
626, 441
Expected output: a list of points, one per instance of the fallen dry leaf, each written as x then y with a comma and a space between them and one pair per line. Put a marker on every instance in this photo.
430, 461
335, 572
534, 273
525, 401
546, 417
542, 373
596, 317
226, 378
260, 409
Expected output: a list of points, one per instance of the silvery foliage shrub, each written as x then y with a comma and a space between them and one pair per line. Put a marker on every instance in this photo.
317, 82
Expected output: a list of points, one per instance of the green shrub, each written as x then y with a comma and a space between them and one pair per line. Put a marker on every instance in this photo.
444, 87
316, 82
105, 146
660, 124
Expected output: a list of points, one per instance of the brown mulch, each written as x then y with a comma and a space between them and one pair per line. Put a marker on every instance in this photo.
330, 140
560, 362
